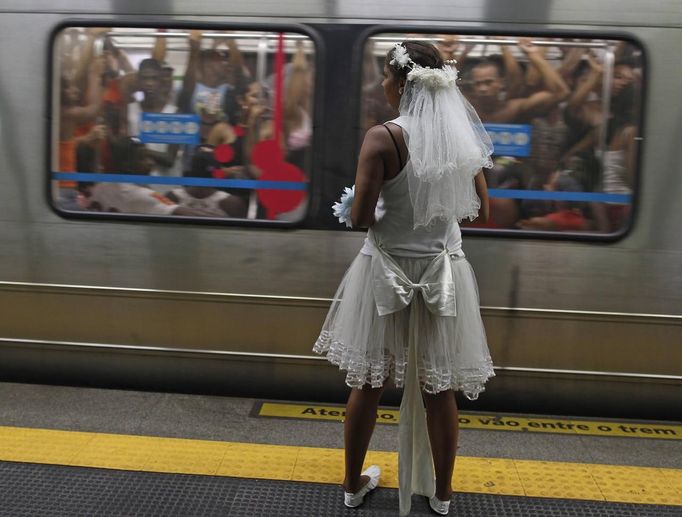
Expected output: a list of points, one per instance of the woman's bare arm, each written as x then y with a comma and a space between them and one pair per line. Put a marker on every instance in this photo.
482, 191
369, 177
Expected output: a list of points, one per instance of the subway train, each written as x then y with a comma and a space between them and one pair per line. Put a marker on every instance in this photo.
578, 323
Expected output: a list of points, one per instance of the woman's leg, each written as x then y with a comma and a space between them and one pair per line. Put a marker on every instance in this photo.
443, 424
361, 415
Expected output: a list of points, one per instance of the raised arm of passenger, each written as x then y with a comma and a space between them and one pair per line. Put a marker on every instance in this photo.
555, 89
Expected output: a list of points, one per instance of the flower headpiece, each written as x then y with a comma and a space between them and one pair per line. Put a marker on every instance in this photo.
447, 142
434, 78
401, 58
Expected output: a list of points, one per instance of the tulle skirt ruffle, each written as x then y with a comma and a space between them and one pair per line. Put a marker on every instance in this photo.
452, 351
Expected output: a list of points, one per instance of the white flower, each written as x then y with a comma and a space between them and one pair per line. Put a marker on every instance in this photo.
343, 206
400, 56
434, 78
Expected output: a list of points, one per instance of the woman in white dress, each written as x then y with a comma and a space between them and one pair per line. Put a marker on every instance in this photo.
407, 308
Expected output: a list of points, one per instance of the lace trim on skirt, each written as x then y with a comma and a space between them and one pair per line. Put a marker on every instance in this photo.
470, 381
452, 351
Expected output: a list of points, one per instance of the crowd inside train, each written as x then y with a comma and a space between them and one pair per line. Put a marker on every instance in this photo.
560, 100
581, 135
103, 100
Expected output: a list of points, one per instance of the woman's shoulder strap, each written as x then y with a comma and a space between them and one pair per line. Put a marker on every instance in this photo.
395, 142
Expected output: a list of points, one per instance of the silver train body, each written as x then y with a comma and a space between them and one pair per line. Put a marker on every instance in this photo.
577, 327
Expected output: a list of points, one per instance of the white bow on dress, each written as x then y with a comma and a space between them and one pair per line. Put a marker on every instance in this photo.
393, 291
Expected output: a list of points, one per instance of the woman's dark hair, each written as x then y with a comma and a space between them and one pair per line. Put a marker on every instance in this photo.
422, 53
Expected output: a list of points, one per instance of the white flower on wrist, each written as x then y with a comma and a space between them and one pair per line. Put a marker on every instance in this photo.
343, 206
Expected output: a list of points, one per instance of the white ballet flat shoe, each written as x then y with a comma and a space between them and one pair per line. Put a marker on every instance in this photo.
356, 499
438, 506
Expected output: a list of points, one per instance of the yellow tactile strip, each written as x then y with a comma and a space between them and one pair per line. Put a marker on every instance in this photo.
492, 423
482, 475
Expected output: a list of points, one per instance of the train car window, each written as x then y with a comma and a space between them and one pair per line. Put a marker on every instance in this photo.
212, 124
564, 117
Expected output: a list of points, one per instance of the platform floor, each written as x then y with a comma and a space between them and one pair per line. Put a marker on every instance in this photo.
31, 490
82, 451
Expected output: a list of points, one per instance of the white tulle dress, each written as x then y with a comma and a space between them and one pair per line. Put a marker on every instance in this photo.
408, 309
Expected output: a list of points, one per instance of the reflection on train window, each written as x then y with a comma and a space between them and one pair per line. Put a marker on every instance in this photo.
563, 115
214, 124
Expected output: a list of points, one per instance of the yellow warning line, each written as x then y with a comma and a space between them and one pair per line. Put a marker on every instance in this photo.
482, 475
494, 423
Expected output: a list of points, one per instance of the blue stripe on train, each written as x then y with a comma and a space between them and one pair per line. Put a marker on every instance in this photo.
297, 185
174, 180
560, 196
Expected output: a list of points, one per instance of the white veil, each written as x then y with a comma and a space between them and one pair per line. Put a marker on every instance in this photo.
447, 146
